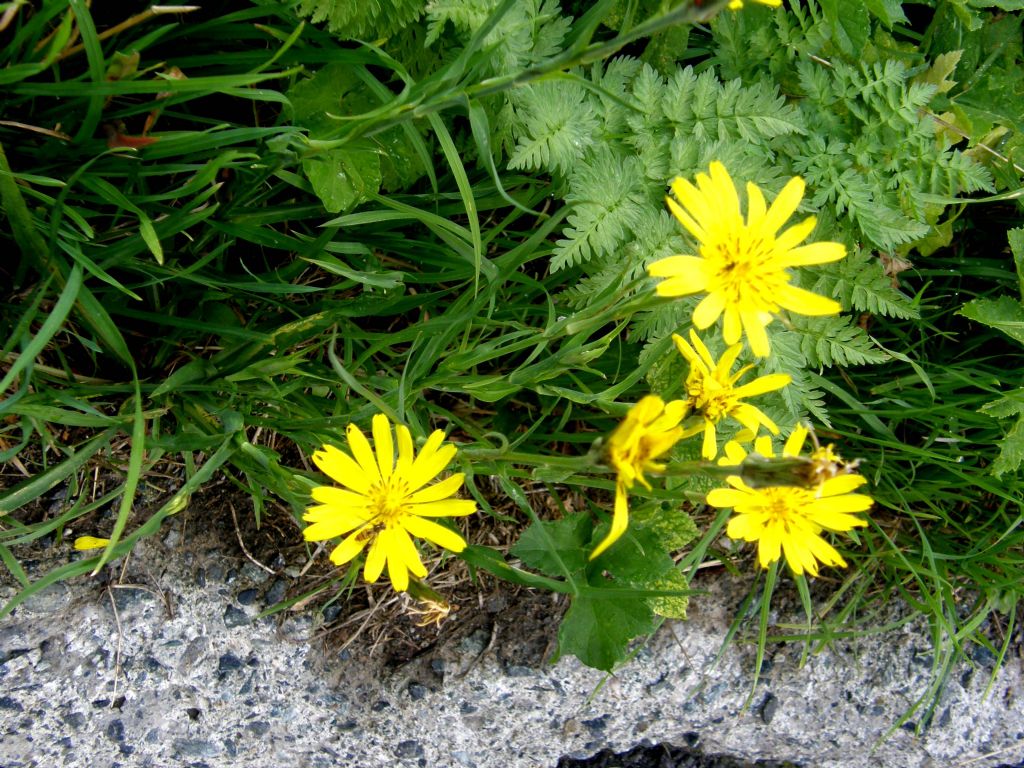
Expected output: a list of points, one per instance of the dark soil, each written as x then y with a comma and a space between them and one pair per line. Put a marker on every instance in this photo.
667, 756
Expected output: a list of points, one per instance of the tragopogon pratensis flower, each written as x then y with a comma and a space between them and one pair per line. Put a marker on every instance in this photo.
386, 501
788, 519
742, 266
711, 392
650, 429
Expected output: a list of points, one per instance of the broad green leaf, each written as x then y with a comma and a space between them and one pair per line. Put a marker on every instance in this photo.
850, 24
889, 12
597, 630
343, 178
1011, 450
1004, 314
638, 558
670, 607
673, 526
548, 545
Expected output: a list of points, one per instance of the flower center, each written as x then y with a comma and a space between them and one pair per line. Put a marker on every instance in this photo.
744, 268
387, 500
782, 506
709, 397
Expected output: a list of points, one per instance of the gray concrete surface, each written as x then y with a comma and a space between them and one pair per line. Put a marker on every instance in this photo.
180, 676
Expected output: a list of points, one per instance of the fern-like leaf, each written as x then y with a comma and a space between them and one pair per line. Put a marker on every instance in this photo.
367, 19
608, 196
800, 396
828, 341
859, 282
559, 124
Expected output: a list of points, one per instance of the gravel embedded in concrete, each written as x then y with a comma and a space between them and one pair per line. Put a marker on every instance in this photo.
182, 674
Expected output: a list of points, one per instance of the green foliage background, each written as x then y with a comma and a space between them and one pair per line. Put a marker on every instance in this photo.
443, 211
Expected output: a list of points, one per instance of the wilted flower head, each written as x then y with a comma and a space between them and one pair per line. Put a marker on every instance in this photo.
650, 429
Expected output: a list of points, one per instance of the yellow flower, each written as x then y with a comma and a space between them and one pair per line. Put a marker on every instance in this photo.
788, 519
386, 501
743, 266
711, 391
650, 428
735, 4
85, 543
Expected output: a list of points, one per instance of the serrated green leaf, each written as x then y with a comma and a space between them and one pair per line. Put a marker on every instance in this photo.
552, 546
1004, 314
1011, 450
938, 74
1010, 404
597, 630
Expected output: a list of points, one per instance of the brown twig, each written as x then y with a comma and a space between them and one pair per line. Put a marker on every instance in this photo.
146, 15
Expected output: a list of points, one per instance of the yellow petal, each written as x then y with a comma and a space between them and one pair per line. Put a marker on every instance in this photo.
328, 494
752, 417
708, 310
785, 205
685, 218
726, 497
363, 453
840, 505
756, 335
693, 200
331, 527
620, 521
813, 253
769, 546
709, 449
836, 486
798, 558
806, 303
756, 206
725, 197
348, 549
341, 468
677, 286
792, 237
732, 327
405, 449
377, 555
763, 384
445, 508
434, 533
795, 442
85, 543
383, 444
431, 461
438, 491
